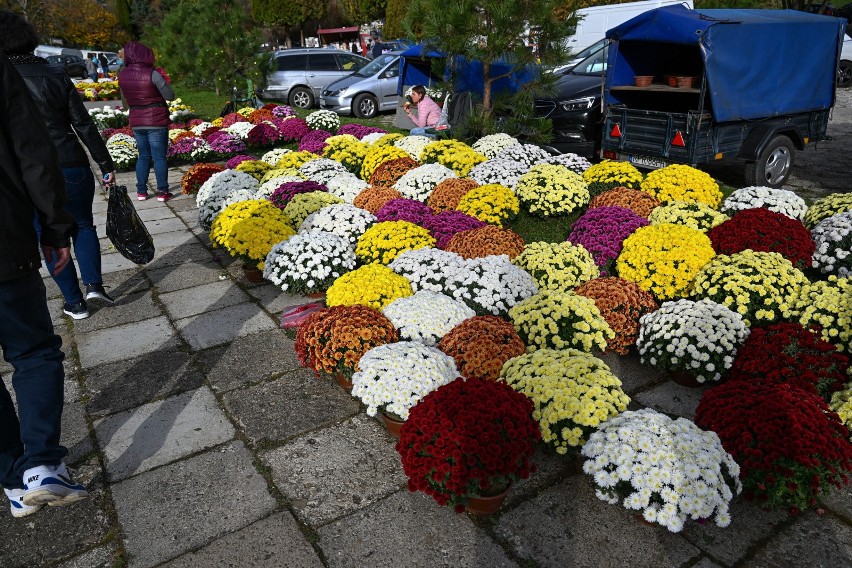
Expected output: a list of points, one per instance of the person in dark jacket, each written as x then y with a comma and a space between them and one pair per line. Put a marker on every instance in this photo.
32, 472
66, 119
103, 63
146, 92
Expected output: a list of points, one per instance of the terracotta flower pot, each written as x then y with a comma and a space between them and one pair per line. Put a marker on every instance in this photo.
641, 518
343, 381
685, 379
670, 80
393, 424
684, 82
643, 80
315, 295
252, 273
487, 504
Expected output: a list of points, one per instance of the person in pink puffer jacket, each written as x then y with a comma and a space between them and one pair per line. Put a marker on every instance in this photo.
428, 111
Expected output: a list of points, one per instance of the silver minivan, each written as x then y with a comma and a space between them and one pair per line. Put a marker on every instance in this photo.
366, 92
298, 76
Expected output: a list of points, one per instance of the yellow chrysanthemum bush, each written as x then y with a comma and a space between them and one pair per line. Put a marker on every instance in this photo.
549, 190
246, 111
280, 172
378, 154
557, 266
295, 160
347, 150
249, 230
694, 215
841, 403
255, 168
760, 286
388, 139
827, 305
609, 174
453, 154
561, 320
573, 393
826, 207
682, 183
303, 204
217, 121
664, 259
384, 241
492, 203
373, 285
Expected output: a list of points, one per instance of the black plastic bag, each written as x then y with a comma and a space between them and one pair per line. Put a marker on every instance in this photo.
125, 229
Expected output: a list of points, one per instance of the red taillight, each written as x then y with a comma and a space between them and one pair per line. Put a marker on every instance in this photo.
609, 155
615, 132
678, 140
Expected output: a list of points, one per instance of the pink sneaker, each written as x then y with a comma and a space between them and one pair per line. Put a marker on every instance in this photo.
163, 196
142, 196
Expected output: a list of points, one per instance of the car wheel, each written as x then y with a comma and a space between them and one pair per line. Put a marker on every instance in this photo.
772, 167
301, 97
365, 106
844, 74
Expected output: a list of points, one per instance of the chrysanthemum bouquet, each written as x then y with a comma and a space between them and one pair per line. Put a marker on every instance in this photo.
388, 173
491, 145
762, 230
503, 172
453, 154
608, 174
373, 285
303, 204
342, 219
561, 320
427, 268
213, 193
378, 155
826, 207
833, 239
777, 200
636, 200
426, 316
347, 150
493, 203
621, 304
602, 231
490, 285
249, 230
549, 190
691, 214
122, 149
481, 345
448, 193
196, 175
826, 307
384, 241
308, 262
323, 120
557, 266
679, 182
487, 240
419, 182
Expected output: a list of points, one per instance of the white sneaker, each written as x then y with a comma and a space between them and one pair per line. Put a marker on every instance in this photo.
17, 504
51, 485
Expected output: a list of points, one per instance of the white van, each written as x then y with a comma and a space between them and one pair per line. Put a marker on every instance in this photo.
47, 50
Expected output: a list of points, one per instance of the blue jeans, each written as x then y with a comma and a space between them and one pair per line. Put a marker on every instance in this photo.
421, 131
32, 348
152, 144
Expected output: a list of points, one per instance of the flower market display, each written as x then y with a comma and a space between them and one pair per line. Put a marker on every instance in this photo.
189, 149
777, 200
637, 201
698, 338
263, 135
196, 175
101, 90
359, 131
560, 320
332, 341
283, 111
602, 231
285, 192
426, 316
503, 172
249, 230
447, 194
833, 242
557, 266
384, 241
180, 112
235, 161
786, 466
308, 262
466, 439
453, 154
493, 203
491, 145
303, 204
487, 240
664, 259
670, 470
826, 306
323, 120
826, 207
347, 150
762, 230
419, 182
760, 286
341, 219
240, 129
225, 145
691, 214
373, 285
293, 129
275, 179
549, 190
679, 182
480, 345
608, 175
388, 172
573, 393
427, 268
212, 194
394, 377
374, 198
622, 303
490, 285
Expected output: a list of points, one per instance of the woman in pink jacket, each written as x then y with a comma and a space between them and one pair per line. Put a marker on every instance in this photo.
428, 111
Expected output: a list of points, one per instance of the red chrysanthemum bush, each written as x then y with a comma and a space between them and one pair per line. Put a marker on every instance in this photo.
468, 438
762, 230
486, 241
789, 353
332, 341
196, 175
375, 197
448, 193
481, 344
231, 118
390, 171
789, 445
621, 303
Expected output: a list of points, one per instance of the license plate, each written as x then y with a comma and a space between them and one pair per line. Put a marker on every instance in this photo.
646, 162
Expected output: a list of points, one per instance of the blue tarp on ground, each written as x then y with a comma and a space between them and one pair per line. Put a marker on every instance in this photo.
758, 63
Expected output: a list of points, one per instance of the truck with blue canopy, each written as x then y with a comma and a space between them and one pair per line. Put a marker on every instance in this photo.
694, 86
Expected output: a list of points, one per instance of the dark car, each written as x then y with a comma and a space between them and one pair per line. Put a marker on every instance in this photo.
73, 64
820, 8
576, 108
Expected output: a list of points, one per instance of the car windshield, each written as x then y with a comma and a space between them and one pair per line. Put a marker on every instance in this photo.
376, 65
593, 65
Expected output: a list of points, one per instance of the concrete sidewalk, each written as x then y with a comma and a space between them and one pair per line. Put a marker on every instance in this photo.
203, 443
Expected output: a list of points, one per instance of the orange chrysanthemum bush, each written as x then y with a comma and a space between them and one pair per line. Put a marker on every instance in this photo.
639, 202
182, 135
390, 171
486, 241
197, 174
448, 193
259, 115
375, 197
332, 341
481, 344
621, 304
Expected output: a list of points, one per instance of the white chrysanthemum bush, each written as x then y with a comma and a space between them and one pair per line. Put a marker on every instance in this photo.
833, 239
308, 262
426, 316
215, 192
419, 182
323, 120
777, 200
342, 219
490, 285
427, 268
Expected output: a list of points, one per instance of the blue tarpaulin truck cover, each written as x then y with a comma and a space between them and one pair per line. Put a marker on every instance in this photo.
758, 63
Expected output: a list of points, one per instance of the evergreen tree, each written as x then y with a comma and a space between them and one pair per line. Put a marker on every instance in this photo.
395, 13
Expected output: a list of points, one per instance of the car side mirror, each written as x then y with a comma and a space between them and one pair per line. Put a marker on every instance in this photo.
390, 74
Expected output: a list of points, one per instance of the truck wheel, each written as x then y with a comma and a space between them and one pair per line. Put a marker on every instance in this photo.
365, 106
773, 165
844, 74
301, 97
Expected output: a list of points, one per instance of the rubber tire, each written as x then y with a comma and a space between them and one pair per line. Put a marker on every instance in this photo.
365, 98
844, 74
301, 91
755, 172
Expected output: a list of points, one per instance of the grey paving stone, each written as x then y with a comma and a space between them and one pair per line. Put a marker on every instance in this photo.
551, 467
158, 433
185, 505
749, 525
706, 563
99, 205
115, 262
127, 308
812, 540
274, 300
293, 404
165, 225
203, 298
672, 398
167, 241
171, 278
191, 252
189, 216
248, 359
124, 282
133, 382
101, 557
51, 289
125, 341
409, 529
75, 429
840, 501
224, 325
187, 204
337, 470
567, 525
274, 542
156, 214
632, 373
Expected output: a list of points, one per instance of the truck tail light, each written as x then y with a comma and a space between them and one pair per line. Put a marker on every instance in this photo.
678, 139
616, 131
609, 155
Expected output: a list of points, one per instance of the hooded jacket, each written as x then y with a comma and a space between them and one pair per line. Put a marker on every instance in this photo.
147, 104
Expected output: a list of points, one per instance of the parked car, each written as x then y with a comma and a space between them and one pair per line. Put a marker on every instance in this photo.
820, 8
298, 76
73, 64
844, 69
368, 91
